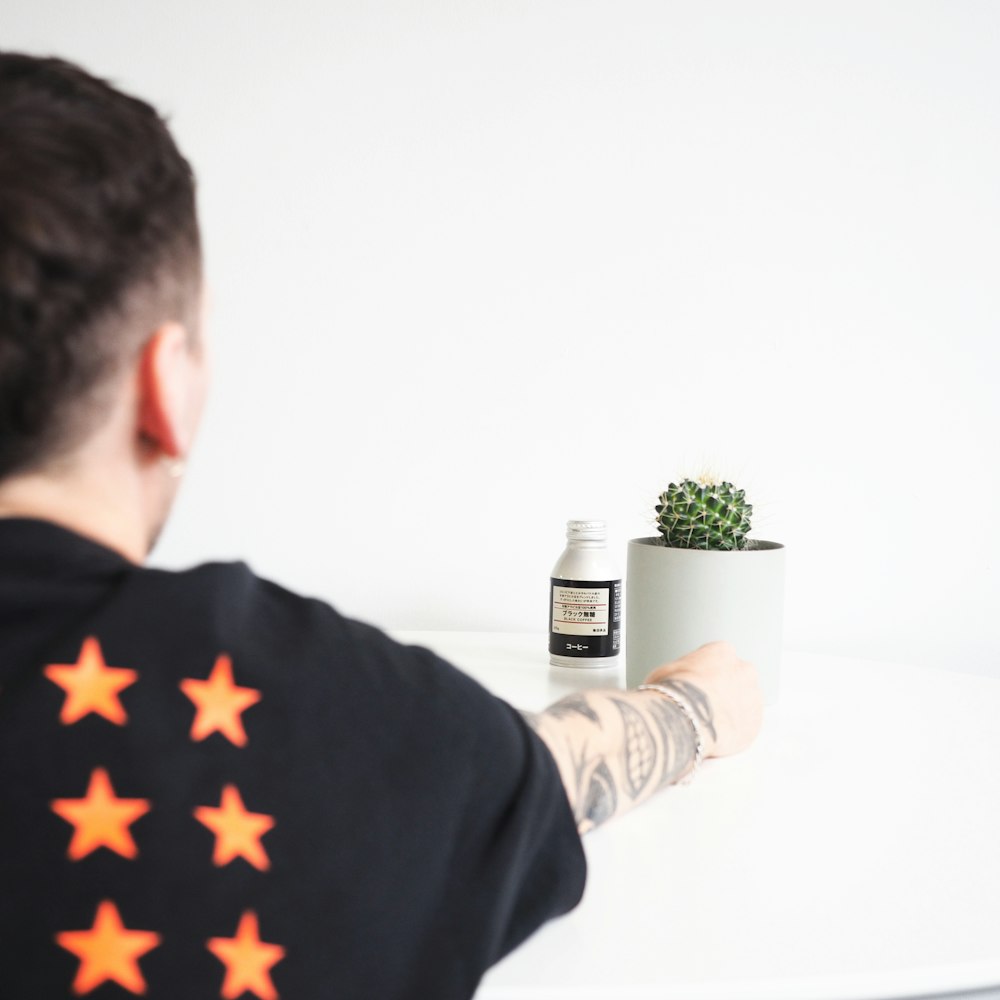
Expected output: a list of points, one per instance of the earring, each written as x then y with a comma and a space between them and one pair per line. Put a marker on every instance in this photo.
175, 467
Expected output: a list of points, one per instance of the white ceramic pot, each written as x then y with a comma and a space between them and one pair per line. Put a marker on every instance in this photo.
678, 599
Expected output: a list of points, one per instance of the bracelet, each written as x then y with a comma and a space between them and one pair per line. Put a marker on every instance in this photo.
699, 743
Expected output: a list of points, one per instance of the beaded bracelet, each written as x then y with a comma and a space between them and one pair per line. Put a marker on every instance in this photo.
699, 743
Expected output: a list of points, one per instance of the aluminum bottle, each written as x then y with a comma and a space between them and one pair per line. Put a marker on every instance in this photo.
585, 600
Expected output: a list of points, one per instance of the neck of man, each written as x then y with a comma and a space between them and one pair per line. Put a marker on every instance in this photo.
97, 492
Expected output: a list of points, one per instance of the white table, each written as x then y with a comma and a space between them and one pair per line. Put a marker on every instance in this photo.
852, 853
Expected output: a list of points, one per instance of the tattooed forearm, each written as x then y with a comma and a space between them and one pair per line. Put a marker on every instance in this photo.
615, 749
678, 740
640, 748
601, 800
698, 701
593, 792
573, 703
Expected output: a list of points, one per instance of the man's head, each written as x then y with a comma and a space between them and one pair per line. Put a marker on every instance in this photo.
100, 273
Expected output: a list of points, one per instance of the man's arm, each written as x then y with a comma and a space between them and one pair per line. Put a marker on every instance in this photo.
615, 749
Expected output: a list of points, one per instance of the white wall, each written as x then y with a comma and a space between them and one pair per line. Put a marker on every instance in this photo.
481, 267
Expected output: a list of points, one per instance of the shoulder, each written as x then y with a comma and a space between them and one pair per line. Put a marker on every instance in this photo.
225, 600
227, 606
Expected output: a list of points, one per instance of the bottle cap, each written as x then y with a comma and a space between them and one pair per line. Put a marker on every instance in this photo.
589, 530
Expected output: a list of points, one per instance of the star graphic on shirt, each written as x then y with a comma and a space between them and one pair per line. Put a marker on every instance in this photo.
219, 703
237, 832
248, 960
108, 951
101, 819
91, 685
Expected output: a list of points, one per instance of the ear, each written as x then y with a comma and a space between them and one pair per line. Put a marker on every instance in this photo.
165, 391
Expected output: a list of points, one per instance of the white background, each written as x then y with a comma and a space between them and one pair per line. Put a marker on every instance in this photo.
482, 267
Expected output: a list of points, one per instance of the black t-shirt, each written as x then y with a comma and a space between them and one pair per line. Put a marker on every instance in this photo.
212, 787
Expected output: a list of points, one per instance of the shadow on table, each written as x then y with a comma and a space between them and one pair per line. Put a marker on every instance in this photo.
991, 994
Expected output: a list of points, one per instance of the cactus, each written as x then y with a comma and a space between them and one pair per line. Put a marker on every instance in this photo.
704, 514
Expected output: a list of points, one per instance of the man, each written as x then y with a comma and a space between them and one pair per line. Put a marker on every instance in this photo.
210, 786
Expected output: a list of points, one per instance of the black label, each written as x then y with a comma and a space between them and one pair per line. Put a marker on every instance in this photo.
585, 617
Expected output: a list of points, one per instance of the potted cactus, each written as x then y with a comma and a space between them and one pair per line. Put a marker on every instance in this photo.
701, 579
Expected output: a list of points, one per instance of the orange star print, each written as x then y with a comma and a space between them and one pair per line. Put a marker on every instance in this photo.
248, 960
101, 819
219, 703
237, 832
108, 951
91, 685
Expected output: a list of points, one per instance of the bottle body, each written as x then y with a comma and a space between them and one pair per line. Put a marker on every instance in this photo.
585, 600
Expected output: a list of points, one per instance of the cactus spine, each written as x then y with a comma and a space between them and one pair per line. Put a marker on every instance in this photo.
704, 515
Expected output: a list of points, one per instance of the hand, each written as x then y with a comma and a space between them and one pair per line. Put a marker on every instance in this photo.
726, 699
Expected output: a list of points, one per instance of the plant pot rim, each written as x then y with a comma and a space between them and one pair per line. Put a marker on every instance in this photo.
758, 545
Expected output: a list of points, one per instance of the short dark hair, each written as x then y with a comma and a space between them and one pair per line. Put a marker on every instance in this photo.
99, 244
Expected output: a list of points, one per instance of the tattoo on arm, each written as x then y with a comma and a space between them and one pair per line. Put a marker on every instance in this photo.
640, 748
698, 701
608, 769
602, 800
574, 703
595, 794
678, 740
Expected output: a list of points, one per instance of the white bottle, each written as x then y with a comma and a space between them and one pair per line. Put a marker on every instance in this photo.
585, 600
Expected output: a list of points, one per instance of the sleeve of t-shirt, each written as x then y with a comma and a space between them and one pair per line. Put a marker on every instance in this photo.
529, 864
516, 860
